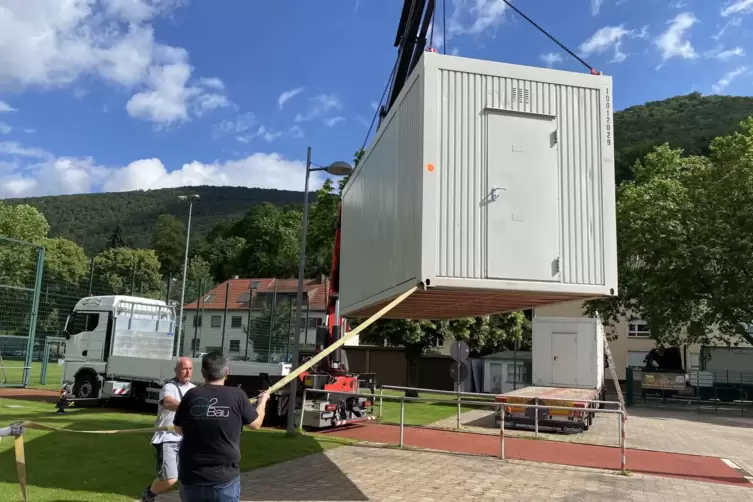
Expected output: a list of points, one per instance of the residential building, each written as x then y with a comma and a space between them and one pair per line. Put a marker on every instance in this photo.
270, 305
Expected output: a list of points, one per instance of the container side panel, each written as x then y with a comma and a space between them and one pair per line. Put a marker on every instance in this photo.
381, 228
464, 100
461, 246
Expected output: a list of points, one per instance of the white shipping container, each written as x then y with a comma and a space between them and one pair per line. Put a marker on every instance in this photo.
567, 352
491, 185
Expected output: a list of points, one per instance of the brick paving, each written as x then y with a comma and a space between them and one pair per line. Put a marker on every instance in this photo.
358, 473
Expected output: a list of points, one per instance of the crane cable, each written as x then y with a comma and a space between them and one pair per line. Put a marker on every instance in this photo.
551, 37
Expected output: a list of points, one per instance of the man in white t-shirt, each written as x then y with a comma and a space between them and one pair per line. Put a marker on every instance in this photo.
167, 443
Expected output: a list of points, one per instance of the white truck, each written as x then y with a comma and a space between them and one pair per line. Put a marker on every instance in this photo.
121, 347
567, 371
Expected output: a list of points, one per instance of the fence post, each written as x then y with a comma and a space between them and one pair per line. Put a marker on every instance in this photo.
381, 402
34, 316
622, 440
629, 386
402, 419
303, 408
502, 433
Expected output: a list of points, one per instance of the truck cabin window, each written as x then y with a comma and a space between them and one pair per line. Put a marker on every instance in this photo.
79, 322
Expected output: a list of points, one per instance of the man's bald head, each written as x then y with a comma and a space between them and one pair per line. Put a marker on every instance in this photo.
183, 369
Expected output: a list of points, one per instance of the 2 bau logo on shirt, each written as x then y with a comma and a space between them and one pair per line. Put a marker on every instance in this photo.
207, 408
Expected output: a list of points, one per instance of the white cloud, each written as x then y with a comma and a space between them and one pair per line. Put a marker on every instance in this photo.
5, 107
321, 107
737, 21
241, 124
551, 58
212, 83
672, 43
53, 43
609, 38
262, 132
287, 96
5, 128
596, 7
296, 131
723, 54
737, 7
727, 79
33, 172
472, 17
333, 121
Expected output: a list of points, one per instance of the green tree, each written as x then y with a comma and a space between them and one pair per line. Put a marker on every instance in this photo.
116, 239
271, 241
65, 261
321, 230
127, 271
224, 256
23, 222
685, 244
489, 334
168, 241
273, 328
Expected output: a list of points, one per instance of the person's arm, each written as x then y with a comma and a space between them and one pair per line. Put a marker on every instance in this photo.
253, 417
14, 430
169, 396
180, 413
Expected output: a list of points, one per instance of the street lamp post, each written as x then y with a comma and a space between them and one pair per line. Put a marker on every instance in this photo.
338, 168
190, 199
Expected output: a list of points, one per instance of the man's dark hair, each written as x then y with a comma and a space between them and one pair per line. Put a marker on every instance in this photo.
213, 366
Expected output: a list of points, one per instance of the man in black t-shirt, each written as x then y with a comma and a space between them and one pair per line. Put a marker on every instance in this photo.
211, 418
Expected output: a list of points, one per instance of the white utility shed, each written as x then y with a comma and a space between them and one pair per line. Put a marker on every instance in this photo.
568, 352
492, 185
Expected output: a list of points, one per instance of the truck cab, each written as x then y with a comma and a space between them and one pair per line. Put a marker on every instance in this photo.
100, 327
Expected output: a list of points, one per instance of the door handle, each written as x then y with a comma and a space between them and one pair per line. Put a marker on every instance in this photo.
495, 194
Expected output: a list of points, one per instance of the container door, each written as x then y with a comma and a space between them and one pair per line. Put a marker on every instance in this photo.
522, 202
564, 359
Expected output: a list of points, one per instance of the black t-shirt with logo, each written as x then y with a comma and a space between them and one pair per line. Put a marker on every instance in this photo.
212, 418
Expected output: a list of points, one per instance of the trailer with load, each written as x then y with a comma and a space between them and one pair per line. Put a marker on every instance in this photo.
567, 371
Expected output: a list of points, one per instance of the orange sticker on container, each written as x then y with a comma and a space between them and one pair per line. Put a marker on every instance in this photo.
430, 168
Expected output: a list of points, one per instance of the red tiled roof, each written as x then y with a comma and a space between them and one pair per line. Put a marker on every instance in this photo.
239, 288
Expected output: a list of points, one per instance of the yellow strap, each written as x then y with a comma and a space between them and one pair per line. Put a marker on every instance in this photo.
19, 441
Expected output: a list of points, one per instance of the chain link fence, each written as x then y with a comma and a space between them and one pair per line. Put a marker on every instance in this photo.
21, 265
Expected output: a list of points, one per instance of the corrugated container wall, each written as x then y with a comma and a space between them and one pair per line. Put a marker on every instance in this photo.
568, 352
490, 184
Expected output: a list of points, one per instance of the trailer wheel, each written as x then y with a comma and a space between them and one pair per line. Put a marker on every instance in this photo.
85, 386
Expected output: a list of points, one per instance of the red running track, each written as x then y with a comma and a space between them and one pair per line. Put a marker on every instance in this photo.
656, 463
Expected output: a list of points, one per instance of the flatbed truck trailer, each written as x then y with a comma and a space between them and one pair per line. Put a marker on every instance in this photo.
549, 420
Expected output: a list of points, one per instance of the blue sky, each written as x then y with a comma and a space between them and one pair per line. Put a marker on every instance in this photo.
112, 95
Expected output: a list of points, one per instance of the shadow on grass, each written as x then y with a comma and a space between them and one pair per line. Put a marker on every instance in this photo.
81, 467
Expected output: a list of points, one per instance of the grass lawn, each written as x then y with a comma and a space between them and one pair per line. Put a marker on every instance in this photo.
12, 372
89, 467
421, 413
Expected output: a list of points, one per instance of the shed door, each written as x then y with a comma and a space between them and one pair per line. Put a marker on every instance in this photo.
564, 359
522, 203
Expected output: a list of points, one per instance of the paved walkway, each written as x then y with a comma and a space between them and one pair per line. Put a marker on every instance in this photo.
708, 433
354, 473
647, 462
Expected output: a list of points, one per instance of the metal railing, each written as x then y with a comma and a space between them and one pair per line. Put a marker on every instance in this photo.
497, 405
460, 401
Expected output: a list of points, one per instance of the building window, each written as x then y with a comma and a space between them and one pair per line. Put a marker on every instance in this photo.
638, 329
235, 345
236, 321
522, 375
197, 317
216, 321
195, 343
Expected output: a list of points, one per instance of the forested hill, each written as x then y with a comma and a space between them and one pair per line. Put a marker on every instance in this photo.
689, 122
91, 219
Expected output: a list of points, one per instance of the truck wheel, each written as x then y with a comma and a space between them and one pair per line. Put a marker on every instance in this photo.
85, 386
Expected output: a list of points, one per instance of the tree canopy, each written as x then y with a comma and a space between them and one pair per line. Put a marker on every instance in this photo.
685, 243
